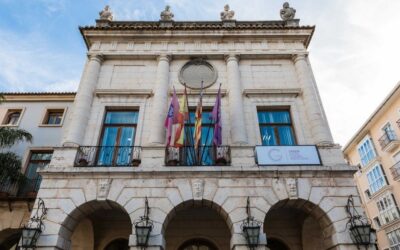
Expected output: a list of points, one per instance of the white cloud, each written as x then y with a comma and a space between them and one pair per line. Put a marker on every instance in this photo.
27, 65
354, 51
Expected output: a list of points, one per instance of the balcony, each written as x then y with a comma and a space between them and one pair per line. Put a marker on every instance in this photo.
203, 156
395, 169
108, 156
389, 141
24, 190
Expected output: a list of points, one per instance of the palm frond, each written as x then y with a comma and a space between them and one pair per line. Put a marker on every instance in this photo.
10, 136
10, 167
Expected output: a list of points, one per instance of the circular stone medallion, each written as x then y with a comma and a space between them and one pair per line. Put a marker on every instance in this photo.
195, 71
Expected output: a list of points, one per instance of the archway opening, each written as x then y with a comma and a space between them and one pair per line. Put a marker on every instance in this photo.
198, 244
276, 244
295, 225
118, 244
197, 225
99, 225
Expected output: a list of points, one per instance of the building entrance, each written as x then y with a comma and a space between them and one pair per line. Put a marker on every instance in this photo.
197, 226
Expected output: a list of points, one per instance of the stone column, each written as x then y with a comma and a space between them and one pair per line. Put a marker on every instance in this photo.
238, 127
316, 116
160, 101
83, 102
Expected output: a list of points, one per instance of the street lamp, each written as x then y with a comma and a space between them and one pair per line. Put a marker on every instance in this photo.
251, 228
143, 227
32, 231
361, 232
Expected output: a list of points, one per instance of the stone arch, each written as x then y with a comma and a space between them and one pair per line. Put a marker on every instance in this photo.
203, 210
88, 220
299, 224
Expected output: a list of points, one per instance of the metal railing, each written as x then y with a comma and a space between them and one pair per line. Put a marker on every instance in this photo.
395, 169
26, 188
387, 138
108, 156
203, 156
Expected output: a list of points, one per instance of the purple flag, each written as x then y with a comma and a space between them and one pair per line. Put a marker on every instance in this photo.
171, 119
216, 117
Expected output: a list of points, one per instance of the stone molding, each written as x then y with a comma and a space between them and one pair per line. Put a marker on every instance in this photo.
132, 92
164, 57
96, 57
293, 92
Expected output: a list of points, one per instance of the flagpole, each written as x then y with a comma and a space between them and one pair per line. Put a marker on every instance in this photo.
201, 118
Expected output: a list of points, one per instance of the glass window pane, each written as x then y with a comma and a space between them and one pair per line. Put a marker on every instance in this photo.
110, 136
286, 135
268, 136
121, 117
127, 136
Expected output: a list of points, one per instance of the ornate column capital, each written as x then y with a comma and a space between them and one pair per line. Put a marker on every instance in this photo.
298, 57
232, 57
96, 57
164, 57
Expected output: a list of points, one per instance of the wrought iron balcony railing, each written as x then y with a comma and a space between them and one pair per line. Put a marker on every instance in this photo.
108, 156
387, 138
395, 169
203, 156
26, 188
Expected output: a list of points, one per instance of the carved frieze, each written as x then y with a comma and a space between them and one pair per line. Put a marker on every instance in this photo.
198, 189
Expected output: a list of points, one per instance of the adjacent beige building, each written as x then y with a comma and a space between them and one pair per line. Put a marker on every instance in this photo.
375, 150
277, 163
45, 116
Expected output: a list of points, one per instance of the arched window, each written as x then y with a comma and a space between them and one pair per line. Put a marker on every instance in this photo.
198, 244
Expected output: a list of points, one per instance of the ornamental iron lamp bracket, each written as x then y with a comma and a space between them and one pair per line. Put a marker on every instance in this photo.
361, 232
32, 230
143, 227
251, 228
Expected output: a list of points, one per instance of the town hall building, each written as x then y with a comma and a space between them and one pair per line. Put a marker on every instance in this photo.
277, 180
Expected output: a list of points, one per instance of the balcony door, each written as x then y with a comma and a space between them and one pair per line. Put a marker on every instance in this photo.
204, 155
118, 137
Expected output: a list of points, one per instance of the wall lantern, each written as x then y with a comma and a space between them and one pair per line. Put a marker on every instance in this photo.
251, 228
143, 227
360, 228
32, 231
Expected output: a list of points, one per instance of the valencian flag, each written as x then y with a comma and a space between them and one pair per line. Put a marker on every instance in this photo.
182, 117
198, 115
216, 117
172, 120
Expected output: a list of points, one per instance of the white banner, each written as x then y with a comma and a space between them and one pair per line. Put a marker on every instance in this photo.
287, 155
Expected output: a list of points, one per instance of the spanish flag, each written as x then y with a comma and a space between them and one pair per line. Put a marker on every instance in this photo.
182, 116
197, 125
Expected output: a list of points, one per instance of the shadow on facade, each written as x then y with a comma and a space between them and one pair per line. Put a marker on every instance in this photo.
296, 224
98, 225
197, 225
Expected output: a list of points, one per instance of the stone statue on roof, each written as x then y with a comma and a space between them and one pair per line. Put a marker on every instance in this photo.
167, 15
106, 14
227, 14
287, 13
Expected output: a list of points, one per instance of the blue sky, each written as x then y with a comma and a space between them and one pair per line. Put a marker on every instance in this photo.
355, 50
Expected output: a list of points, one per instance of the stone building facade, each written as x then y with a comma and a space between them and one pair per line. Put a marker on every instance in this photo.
297, 183
375, 149
44, 115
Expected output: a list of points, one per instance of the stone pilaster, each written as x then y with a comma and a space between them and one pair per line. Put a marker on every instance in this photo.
160, 101
83, 101
238, 128
316, 116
